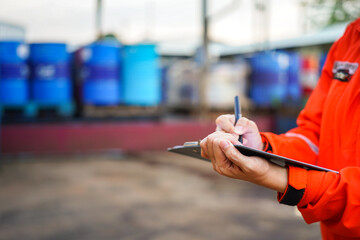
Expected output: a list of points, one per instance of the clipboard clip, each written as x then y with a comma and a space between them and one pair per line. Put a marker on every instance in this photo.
192, 144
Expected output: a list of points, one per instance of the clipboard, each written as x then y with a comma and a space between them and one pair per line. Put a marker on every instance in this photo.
192, 149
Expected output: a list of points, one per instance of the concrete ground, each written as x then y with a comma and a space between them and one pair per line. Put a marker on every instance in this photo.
157, 196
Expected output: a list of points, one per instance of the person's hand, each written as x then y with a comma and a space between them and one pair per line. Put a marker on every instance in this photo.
228, 161
244, 127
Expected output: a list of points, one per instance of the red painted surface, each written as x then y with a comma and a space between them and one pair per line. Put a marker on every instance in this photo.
86, 136
82, 137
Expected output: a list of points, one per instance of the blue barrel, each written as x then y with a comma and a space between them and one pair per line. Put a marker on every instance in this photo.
103, 92
48, 53
13, 52
52, 92
13, 70
269, 78
50, 74
294, 86
13, 92
101, 53
101, 73
96, 72
141, 75
13, 73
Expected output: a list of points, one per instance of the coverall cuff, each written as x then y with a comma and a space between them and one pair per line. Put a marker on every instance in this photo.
267, 145
297, 182
270, 139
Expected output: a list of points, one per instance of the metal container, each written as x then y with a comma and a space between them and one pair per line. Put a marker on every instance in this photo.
13, 73
13, 52
294, 90
13, 92
269, 78
141, 75
48, 53
100, 73
50, 76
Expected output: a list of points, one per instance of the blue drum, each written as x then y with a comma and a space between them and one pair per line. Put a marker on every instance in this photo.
48, 53
269, 78
101, 62
101, 53
13, 73
50, 75
141, 75
294, 86
13, 92
13, 52
102, 92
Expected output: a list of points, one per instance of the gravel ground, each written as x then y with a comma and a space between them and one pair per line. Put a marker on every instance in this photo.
157, 196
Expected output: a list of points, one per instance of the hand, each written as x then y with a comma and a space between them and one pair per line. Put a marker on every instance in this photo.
244, 127
228, 161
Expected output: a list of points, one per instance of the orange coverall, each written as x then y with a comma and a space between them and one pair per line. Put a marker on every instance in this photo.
328, 135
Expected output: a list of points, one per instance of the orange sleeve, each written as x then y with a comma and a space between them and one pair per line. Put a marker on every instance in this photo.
330, 198
333, 199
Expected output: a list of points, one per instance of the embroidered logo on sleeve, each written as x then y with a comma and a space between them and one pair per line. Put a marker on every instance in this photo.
343, 71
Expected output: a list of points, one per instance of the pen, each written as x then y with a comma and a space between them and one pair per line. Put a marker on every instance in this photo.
237, 111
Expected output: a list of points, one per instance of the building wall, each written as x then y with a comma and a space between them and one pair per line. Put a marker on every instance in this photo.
9, 31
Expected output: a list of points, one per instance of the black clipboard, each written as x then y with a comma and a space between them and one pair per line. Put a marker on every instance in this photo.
192, 149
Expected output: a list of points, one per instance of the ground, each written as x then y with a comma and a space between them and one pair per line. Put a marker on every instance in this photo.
151, 195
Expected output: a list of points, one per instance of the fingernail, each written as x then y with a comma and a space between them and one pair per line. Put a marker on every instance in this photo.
224, 144
238, 129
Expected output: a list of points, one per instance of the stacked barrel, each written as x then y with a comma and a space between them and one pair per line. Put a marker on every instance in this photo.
51, 85
269, 78
101, 74
13, 74
141, 75
294, 89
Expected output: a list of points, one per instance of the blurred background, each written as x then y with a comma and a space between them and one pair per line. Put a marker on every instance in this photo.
93, 92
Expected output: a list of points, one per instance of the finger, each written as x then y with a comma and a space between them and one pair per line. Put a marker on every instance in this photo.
235, 135
209, 147
241, 126
217, 169
225, 123
233, 154
233, 138
221, 160
204, 149
244, 126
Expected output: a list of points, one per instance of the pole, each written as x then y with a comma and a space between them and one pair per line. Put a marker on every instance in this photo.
205, 61
98, 19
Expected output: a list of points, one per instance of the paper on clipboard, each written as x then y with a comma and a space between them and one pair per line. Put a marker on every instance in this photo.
192, 149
